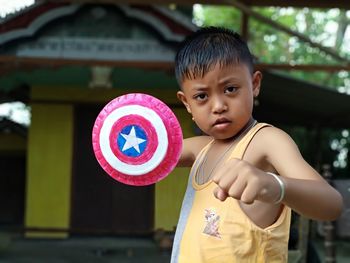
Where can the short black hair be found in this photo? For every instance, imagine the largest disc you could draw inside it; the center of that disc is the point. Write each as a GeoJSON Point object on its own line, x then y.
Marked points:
{"type": "Point", "coordinates": [202, 50]}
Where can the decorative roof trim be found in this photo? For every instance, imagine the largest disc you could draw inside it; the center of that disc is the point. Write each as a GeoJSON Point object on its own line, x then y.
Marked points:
{"type": "Point", "coordinates": [177, 17]}
{"type": "Point", "coordinates": [152, 21]}
{"type": "Point", "coordinates": [132, 12]}
{"type": "Point", "coordinates": [38, 23]}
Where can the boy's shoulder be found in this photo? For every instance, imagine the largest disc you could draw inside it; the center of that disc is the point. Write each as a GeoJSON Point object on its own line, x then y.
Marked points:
{"type": "Point", "coordinates": [269, 133]}
{"type": "Point", "coordinates": [270, 147]}
{"type": "Point", "coordinates": [271, 138]}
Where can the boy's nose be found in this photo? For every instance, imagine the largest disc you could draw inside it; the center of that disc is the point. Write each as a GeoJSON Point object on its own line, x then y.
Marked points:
{"type": "Point", "coordinates": [219, 105]}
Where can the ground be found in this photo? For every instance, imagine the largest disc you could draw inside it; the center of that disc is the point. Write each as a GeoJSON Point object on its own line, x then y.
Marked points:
{"type": "Point", "coordinates": [82, 250]}
{"type": "Point", "coordinates": [16, 249]}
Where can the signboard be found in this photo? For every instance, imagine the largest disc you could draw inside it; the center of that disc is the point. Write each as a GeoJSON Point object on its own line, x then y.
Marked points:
{"type": "Point", "coordinates": [96, 49]}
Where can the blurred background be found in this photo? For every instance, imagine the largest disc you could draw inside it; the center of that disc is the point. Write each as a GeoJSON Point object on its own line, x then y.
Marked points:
{"type": "Point", "coordinates": [62, 61]}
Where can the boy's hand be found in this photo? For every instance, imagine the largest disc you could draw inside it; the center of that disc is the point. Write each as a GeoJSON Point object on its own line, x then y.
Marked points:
{"type": "Point", "coordinates": [242, 181]}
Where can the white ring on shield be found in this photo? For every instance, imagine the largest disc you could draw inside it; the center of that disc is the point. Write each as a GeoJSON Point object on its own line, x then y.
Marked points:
{"type": "Point", "coordinates": [159, 127]}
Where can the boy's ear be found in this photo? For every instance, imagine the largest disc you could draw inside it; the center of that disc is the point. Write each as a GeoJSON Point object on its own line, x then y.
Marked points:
{"type": "Point", "coordinates": [181, 96]}
{"type": "Point", "coordinates": [257, 77]}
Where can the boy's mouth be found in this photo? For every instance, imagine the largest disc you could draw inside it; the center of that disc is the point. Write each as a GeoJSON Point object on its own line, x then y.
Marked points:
{"type": "Point", "coordinates": [221, 121]}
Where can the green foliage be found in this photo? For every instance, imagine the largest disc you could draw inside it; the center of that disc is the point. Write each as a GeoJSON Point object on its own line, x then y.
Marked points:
{"type": "Point", "coordinates": [270, 45]}
{"type": "Point", "coordinates": [217, 16]}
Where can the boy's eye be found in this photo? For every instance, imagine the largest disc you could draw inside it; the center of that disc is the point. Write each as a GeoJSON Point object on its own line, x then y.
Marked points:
{"type": "Point", "coordinates": [201, 96]}
{"type": "Point", "coordinates": [230, 89]}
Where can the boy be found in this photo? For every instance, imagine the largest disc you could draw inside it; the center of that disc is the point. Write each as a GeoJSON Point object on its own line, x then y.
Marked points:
{"type": "Point", "coordinates": [246, 176]}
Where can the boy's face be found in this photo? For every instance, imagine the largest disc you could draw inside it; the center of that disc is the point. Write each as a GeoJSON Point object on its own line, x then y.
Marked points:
{"type": "Point", "coordinates": [221, 102]}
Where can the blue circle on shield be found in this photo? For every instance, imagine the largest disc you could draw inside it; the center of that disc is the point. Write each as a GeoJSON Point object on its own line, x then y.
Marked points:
{"type": "Point", "coordinates": [132, 140]}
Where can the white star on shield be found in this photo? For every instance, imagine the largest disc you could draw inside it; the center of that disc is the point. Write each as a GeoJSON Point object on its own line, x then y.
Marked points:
{"type": "Point", "coordinates": [131, 140]}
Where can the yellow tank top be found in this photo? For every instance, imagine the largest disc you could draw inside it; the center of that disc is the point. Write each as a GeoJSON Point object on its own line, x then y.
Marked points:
{"type": "Point", "coordinates": [218, 231]}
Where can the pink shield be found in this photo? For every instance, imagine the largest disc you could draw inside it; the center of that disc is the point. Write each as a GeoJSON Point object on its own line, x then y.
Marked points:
{"type": "Point", "coordinates": [137, 139]}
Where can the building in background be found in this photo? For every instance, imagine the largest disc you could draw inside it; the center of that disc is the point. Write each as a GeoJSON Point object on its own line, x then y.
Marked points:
{"type": "Point", "coordinates": [66, 61]}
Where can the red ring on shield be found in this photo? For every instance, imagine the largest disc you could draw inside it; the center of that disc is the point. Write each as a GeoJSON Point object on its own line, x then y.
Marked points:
{"type": "Point", "coordinates": [162, 132]}
{"type": "Point", "coordinates": [133, 119]}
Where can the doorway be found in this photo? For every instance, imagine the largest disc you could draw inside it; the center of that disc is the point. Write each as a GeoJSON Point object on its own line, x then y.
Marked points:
{"type": "Point", "coordinates": [101, 205]}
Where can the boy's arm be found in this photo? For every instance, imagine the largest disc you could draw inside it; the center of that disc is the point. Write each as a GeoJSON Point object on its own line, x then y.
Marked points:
{"type": "Point", "coordinates": [190, 149]}
{"type": "Point", "coordinates": [306, 191]}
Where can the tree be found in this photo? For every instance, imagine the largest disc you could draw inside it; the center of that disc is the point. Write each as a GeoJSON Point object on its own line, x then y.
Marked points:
{"type": "Point", "coordinates": [327, 27]}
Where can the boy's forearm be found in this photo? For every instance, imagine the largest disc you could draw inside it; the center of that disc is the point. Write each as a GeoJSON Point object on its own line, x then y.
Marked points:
{"type": "Point", "coordinates": [314, 199]}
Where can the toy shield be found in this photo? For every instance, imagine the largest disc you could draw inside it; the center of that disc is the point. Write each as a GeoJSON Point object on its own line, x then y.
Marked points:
{"type": "Point", "coordinates": [137, 139]}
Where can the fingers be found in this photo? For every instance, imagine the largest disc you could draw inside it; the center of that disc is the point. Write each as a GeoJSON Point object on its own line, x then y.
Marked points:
{"type": "Point", "coordinates": [237, 188]}
{"type": "Point", "coordinates": [249, 194]}
{"type": "Point", "coordinates": [228, 172]}
{"type": "Point", "coordinates": [220, 194]}
{"type": "Point", "coordinates": [236, 180]}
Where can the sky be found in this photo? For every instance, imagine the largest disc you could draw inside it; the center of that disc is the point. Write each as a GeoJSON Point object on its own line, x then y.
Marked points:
{"type": "Point", "coordinates": [16, 111]}
{"type": "Point", "coordinates": [10, 6]}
